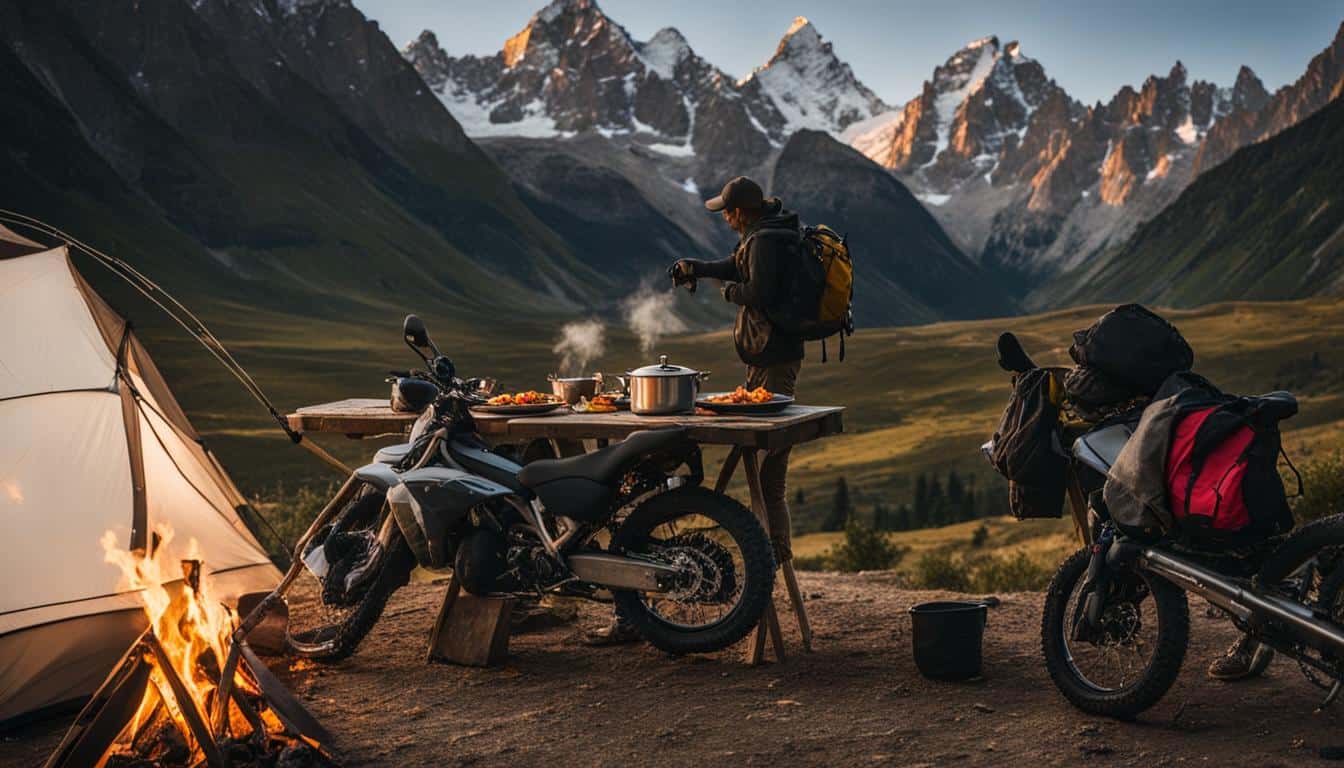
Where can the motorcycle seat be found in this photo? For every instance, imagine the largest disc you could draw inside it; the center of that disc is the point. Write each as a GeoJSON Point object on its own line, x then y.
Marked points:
{"type": "Point", "coordinates": [606, 466]}
{"type": "Point", "coordinates": [392, 455]}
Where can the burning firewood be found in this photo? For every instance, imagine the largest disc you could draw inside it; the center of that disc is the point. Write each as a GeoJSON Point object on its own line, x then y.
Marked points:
{"type": "Point", "coordinates": [184, 694]}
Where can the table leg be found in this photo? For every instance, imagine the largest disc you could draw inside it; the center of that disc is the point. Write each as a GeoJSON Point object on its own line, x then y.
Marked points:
{"type": "Point", "coordinates": [770, 617]}
{"type": "Point", "coordinates": [796, 597]}
{"type": "Point", "coordinates": [729, 467]}
{"type": "Point", "coordinates": [565, 447]}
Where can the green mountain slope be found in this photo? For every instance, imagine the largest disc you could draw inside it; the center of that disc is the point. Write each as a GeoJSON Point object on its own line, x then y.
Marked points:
{"type": "Point", "coordinates": [308, 206]}
{"type": "Point", "coordinates": [1266, 224]}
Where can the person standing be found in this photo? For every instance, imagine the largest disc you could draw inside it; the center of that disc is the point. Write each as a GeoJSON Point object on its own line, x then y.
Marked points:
{"type": "Point", "coordinates": [756, 277]}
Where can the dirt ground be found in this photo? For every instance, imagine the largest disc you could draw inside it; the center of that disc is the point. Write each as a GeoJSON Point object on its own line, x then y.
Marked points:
{"type": "Point", "coordinates": [856, 700]}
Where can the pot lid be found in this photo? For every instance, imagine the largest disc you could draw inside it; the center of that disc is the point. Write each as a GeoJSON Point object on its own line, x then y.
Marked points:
{"type": "Point", "coordinates": [664, 368]}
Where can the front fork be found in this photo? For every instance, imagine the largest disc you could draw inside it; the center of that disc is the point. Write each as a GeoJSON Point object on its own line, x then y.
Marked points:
{"type": "Point", "coordinates": [1096, 586]}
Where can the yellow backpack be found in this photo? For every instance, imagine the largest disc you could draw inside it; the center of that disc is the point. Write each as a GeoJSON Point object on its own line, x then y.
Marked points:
{"type": "Point", "coordinates": [824, 290]}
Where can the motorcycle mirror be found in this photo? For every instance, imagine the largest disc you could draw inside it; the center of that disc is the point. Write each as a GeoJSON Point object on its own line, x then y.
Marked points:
{"type": "Point", "coordinates": [417, 336]}
{"type": "Point", "coordinates": [413, 328]}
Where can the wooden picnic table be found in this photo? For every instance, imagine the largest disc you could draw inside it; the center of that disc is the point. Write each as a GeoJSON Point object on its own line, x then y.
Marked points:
{"type": "Point", "coordinates": [746, 437]}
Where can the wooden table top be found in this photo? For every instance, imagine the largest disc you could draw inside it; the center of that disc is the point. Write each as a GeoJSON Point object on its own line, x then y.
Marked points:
{"type": "Point", "coordinates": [355, 417]}
{"type": "Point", "coordinates": [360, 417]}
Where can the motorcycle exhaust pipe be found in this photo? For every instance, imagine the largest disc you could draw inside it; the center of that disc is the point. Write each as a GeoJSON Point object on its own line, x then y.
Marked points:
{"type": "Point", "coordinates": [622, 572]}
{"type": "Point", "coordinates": [1245, 603]}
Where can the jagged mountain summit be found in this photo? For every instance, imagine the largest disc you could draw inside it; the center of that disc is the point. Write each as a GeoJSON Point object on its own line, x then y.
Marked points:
{"type": "Point", "coordinates": [811, 87]}
{"type": "Point", "coordinates": [970, 117]}
{"type": "Point", "coordinates": [1024, 175]}
{"type": "Point", "coordinates": [573, 69]}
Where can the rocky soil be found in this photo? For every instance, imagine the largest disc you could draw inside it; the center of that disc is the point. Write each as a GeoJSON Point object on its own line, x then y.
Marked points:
{"type": "Point", "coordinates": [856, 700]}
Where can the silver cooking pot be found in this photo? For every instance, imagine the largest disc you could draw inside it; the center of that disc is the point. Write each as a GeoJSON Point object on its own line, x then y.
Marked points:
{"type": "Point", "coordinates": [574, 388]}
{"type": "Point", "coordinates": [664, 388]}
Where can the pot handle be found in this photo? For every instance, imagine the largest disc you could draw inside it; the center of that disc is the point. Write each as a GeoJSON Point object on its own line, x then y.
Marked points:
{"type": "Point", "coordinates": [702, 375]}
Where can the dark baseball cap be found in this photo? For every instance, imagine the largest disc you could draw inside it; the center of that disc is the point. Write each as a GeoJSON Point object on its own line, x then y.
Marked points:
{"type": "Point", "coordinates": [741, 192]}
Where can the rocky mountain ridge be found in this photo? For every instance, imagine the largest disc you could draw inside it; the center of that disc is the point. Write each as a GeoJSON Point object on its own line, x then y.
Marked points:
{"type": "Point", "coordinates": [1023, 176]}
{"type": "Point", "coordinates": [573, 69]}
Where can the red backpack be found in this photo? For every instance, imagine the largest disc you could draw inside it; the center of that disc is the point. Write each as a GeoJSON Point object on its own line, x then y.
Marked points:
{"type": "Point", "coordinates": [1222, 469]}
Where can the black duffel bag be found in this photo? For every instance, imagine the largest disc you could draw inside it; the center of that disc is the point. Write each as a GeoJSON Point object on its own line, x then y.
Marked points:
{"type": "Point", "coordinates": [1134, 346]}
{"type": "Point", "coordinates": [1028, 447]}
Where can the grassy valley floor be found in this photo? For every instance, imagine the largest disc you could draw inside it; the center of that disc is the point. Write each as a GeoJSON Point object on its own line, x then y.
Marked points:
{"type": "Point", "coordinates": [920, 399]}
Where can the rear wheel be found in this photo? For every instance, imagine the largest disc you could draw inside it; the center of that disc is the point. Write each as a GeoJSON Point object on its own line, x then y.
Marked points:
{"type": "Point", "coordinates": [727, 565]}
{"type": "Point", "coordinates": [1126, 664]}
{"type": "Point", "coordinates": [1309, 567]}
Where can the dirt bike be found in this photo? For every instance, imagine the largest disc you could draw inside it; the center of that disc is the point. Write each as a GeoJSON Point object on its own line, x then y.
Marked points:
{"type": "Point", "coordinates": [1116, 623]}
{"type": "Point", "coordinates": [691, 569]}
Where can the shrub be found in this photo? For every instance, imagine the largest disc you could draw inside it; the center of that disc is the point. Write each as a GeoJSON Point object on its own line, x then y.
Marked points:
{"type": "Point", "coordinates": [980, 536]}
{"type": "Point", "coordinates": [865, 549]}
{"type": "Point", "coordinates": [1015, 573]}
{"type": "Point", "coordinates": [1323, 486]}
{"type": "Point", "coordinates": [1012, 573]}
{"type": "Point", "coordinates": [939, 570]}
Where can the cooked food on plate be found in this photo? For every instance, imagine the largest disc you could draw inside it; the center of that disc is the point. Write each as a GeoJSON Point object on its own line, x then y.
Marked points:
{"type": "Point", "coordinates": [531, 397]}
{"type": "Point", "coordinates": [599, 404]}
{"type": "Point", "coordinates": [744, 396]}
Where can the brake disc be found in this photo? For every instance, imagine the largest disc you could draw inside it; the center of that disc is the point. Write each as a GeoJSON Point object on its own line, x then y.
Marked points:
{"type": "Point", "coordinates": [712, 575]}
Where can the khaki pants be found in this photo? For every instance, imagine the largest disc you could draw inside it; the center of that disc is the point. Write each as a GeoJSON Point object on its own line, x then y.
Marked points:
{"type": "Point", "coordinates": [781, 379]}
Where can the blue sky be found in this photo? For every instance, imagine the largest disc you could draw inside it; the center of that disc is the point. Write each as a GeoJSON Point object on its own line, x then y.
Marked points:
{"type": "Point", "coordinates": [1090, 47]}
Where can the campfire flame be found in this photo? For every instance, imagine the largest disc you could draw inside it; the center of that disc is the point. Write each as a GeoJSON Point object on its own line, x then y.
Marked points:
{"type": "Point", "coordinates": [191, 626]}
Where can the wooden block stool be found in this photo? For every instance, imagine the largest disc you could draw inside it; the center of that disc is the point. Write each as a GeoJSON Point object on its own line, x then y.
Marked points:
{"type": "Point", "coordinates": [471, 630]}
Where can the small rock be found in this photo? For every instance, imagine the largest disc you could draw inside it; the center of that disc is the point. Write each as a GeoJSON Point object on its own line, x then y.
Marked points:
{"type": "Point", "coordinates": [788, 703]}
{"type": "Point", "coordinates": [1095, 749]}
{"type": "Point", "coordinates": [982, 708]}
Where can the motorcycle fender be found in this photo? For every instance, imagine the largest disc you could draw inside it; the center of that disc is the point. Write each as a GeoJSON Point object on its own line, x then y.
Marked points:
{"type": "Point", "coordinates": [430, 502]}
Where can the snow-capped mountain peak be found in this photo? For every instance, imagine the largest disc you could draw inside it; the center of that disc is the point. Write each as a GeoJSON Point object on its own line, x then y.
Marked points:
{"type": "Point", "coordinates": [663, 52]}
{"type": "Point", "coordinates": [810, 86]}
{"type": "Point", "coordinates": [571, 69]}
{"type": "Point", "coordinates": [801, 35]}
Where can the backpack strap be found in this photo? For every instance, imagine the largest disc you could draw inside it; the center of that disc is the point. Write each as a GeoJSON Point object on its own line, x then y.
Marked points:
{"type": "Point", "coordinates": [1301, 489]}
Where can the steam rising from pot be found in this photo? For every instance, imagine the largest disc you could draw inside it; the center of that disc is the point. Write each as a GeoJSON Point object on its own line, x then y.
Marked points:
{"type": "Point", "coordinates": [580, 343]}
{"type": "Point", "coordinates": [650, 315]}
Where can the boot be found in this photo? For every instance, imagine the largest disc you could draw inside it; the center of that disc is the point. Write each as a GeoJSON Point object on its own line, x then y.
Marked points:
{"type": "Point", "coordinates": [1245, 659]}
{"type": "Point", "coordinates": [615, 633]}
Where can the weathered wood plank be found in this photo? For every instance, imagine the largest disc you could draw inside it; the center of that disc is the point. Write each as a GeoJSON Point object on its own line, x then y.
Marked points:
{"type": "Point", "coordinates": [355, 417]}
{"type": "Point", "coordinates": [365, 417]}
{"type": "Point", "coordinates": [470, 630]}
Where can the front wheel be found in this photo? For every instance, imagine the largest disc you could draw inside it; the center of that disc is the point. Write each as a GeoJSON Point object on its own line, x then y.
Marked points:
{"type": "Point", "coordinates": [327, 621]}
{"type": "Point", "coordinates": [1127, 663]}
{"type": "Point", "coordinates": [727, 565]}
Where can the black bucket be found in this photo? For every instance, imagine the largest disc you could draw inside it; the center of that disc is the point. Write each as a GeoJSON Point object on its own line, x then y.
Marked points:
{"type": "Point", "coordinates": [947, 637]}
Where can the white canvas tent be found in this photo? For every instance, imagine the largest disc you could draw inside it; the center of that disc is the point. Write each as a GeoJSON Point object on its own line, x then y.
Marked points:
{"type": "Point", "coordinates": [91, 440]}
